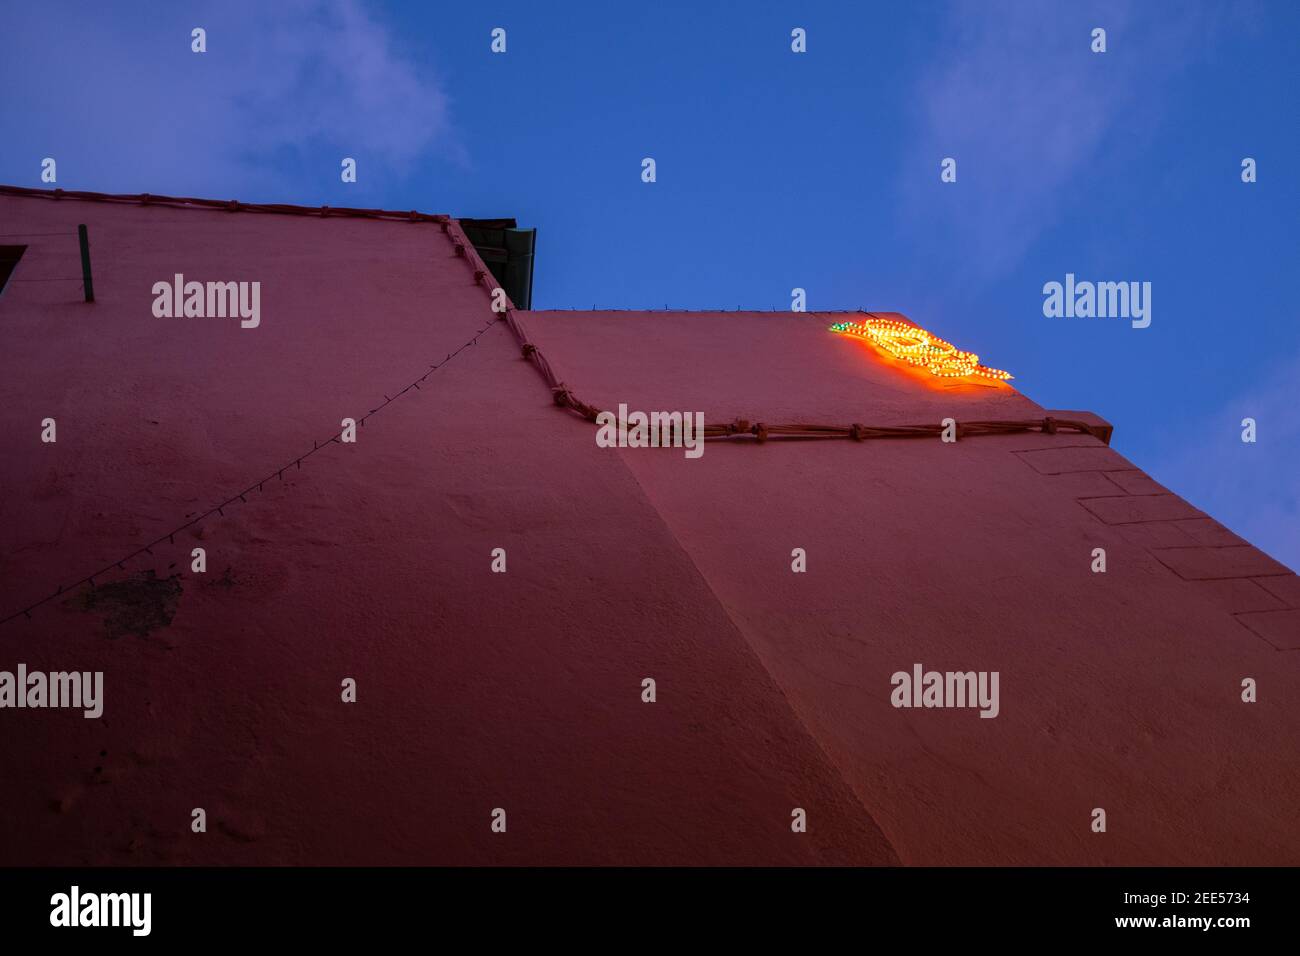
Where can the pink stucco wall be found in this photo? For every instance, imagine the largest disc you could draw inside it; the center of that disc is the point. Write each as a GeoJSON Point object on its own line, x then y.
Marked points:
{"type": "Point", "coordinates": [522, 690]}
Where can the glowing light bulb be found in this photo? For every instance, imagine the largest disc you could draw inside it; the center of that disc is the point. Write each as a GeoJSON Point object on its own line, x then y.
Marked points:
{"type": "Point", "coordinates": [916, 346]}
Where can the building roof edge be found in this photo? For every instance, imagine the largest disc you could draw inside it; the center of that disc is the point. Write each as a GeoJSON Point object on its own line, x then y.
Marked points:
{"type": "Point", "coordinates": [226, 205]}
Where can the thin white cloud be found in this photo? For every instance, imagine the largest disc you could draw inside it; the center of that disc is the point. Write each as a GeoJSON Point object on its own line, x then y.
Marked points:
{"type": "Point", "coordinates": [1018, 98]}
{"type": "Point", "coordinates": [326, 70]}
{"type": "Point", "coordinates": [124, 105]}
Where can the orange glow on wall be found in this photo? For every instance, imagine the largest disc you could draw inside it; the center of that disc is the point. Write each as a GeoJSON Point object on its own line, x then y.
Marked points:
{"type": "Point", "coordinates": [916, 346]}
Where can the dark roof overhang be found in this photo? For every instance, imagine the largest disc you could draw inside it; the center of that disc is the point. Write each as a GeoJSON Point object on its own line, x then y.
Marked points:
{"type": "Point", "coordinates": [507, 251]}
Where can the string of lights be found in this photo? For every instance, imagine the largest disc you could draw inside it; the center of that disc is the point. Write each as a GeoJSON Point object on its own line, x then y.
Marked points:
{"type": "Point", "coordinates": [461, 249]}
{"type": "Point", "coordinates": [916, 346]}
{"type": "Point", "coordinates": [241, 497]}
{"type": "Point", "coordinates": [564, 398]}
{"type": "Point", "coordinates": [742, 428]}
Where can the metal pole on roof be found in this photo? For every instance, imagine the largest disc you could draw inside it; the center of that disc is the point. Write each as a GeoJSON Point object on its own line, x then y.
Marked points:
{"type": "Point", "coordinates": [86, 281]}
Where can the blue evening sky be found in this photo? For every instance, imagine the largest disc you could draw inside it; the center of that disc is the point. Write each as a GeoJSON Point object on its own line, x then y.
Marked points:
{"type": "Point", "coordinates": [775, 170]}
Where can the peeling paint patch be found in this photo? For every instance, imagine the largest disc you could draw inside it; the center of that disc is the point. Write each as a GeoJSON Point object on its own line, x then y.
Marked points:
{"type": "Point", "coordinates": [139, 605]}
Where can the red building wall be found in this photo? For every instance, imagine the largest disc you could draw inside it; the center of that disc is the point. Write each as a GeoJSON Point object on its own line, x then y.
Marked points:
{"type": "Point", "coordinates": [523, 690]}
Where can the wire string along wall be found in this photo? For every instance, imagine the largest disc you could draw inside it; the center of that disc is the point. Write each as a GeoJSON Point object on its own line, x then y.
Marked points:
{"type": "Point", "coordinates": [241, 496]}
{"type": "Point", "coordinates": [935, 353]}
{"type": "Point", "coordinates": [762, 431]}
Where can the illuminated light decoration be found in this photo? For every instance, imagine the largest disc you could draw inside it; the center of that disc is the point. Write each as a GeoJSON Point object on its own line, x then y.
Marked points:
{"type": "Point", "coordinates": [916, 346]}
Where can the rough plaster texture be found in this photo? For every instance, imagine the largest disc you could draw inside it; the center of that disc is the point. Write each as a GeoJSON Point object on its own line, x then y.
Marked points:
{"type": "Point", "coordinates": [522, 691]}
